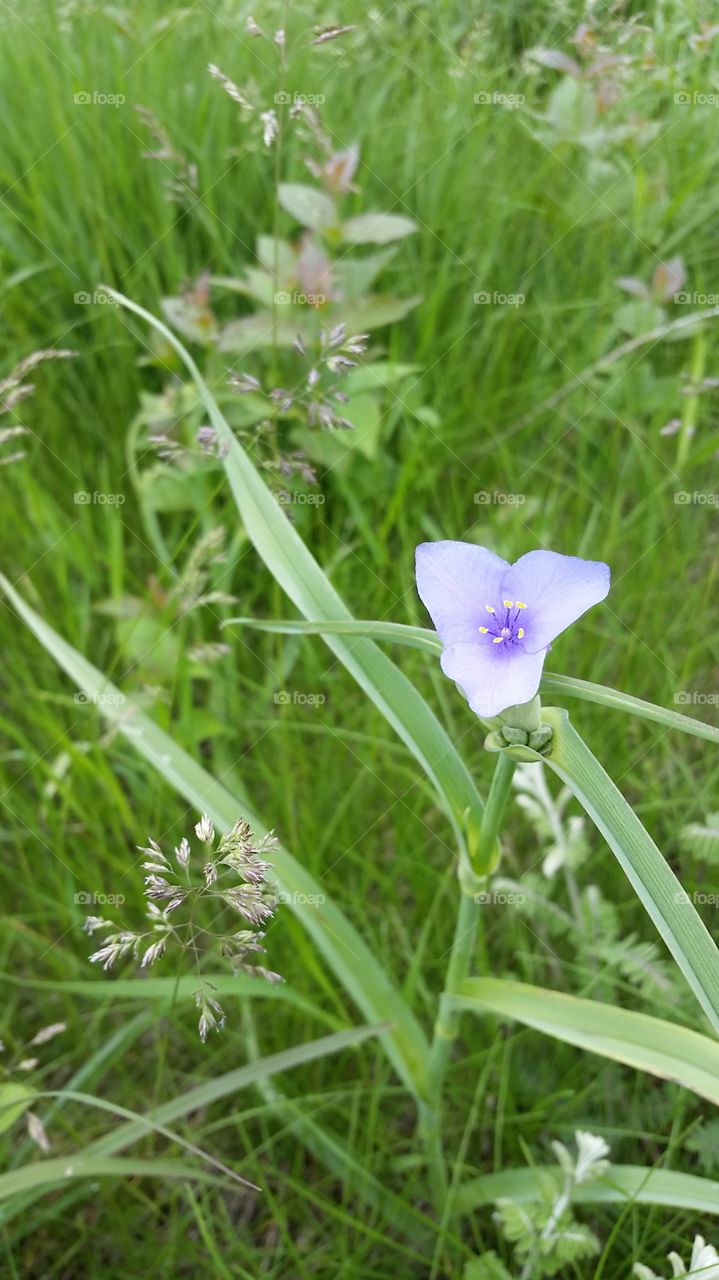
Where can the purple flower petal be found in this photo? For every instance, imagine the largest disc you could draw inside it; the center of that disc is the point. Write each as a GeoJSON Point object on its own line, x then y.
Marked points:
{"type": "Point", "coordinates": [493, 679]}
{"type": "Point", "coordinates": [556, 590]}
{"type": "Point", "coordinates": [455, 581]}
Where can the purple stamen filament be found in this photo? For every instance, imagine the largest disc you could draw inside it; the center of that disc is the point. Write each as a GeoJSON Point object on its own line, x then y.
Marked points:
{"type": "Point", "coordinates": [504, 630]}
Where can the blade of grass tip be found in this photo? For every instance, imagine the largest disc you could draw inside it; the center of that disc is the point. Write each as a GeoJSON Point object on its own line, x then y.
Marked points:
{"type": "Point", "coordinates": [196, 1099]}
{"type": "Point", "coordinates": [604, 696]}
{"type": "Point", "coordinates": [308, 587]}
{"type": "Point", "coordinates": [335, 936]}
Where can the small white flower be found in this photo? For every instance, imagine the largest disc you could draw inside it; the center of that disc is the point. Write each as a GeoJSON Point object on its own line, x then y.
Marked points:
{"type": "Point", "coordinates": [182, 852]}
{"type": "Point", "coordinates": [204, 830]}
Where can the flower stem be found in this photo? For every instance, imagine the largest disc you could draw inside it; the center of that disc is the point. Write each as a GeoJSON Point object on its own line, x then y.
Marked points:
{"type": "Point", "coordinates": [447, 1020]}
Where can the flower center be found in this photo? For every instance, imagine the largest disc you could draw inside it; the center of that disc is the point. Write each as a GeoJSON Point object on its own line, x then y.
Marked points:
{"type": "Point", "coordinates": [503, 623]}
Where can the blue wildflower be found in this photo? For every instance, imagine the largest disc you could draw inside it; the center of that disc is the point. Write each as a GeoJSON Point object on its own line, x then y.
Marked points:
{"type": "Point", "coordinates": [496, 620]}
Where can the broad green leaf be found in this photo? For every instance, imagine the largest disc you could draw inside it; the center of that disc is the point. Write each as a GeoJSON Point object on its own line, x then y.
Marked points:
{"type": "Point", "coordinates": [377, 228]}
{"type": "Point", "coordinates": [255, 332]}
{"type": "Point", "coordinates": [661, 1048]}
{"type": "Point", "coordinates": [621, 1184]}
{"type": "Point", "coordinates": [310, 207]}
{"type": "Point", "coordinates": [655, 884]}
{"type": "Point", "coordinates": [336, 938]}
{"type": "Point", "coordinates": [356, 275]}
{"type": "Point", "coordinates": [14, 1101]}
{"type": "Point", "coordinates": [300, 576]}
{"type": "Point", "coordinates": [373, 311]}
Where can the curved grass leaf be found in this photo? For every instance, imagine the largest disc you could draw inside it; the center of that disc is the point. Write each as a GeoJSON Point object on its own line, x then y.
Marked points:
{"type": "Point", "coordinates": [309, 589]}
{"type": "Point", "coordinates": [655, 884]}
{"type": "Point", "coordinates": [661, 1048]}
{"type": "Point", "coordinates": [335, 937]}
{"type": "Point", "coordinates": [42, 1174]}
{"type": "Point", "coordinates": [621, 1183]}
{"type": "Point", "coordinates": [172, 990]}
{"type": "Point", "coordinates": [552, 683]}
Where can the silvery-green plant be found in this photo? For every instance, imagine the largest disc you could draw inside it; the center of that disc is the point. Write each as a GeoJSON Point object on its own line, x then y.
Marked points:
{"type": "Point", "coordinates": [190, 902]}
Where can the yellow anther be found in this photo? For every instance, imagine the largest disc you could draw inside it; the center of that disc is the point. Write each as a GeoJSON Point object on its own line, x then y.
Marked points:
{"type": "Point", "coordinates": [489, 608]}
{"type": "Point", "coordinates": [508, 603]}
{"type": "Point", "coordinates": [484, 630]}
{"type": "Point", "coordinates": [520, 605]}
{"type": "Point", "coordinates": [520, 633]}
{"type": "Point", "coordinates": [497, 639]}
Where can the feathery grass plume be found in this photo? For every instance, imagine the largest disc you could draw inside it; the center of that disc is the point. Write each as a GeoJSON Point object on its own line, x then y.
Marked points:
{"type": "Point", "coordinates": [189, 906]}
{"type": "Point", "coordinates": [14, 389]}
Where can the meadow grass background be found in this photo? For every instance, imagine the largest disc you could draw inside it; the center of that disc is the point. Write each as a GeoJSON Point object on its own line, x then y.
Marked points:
{"type": "Point", "coordinates": [498, 210]}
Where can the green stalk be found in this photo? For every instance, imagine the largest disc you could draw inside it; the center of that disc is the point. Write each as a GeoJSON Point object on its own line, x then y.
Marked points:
{"type": "Point", "coordinates": [465, 936]}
